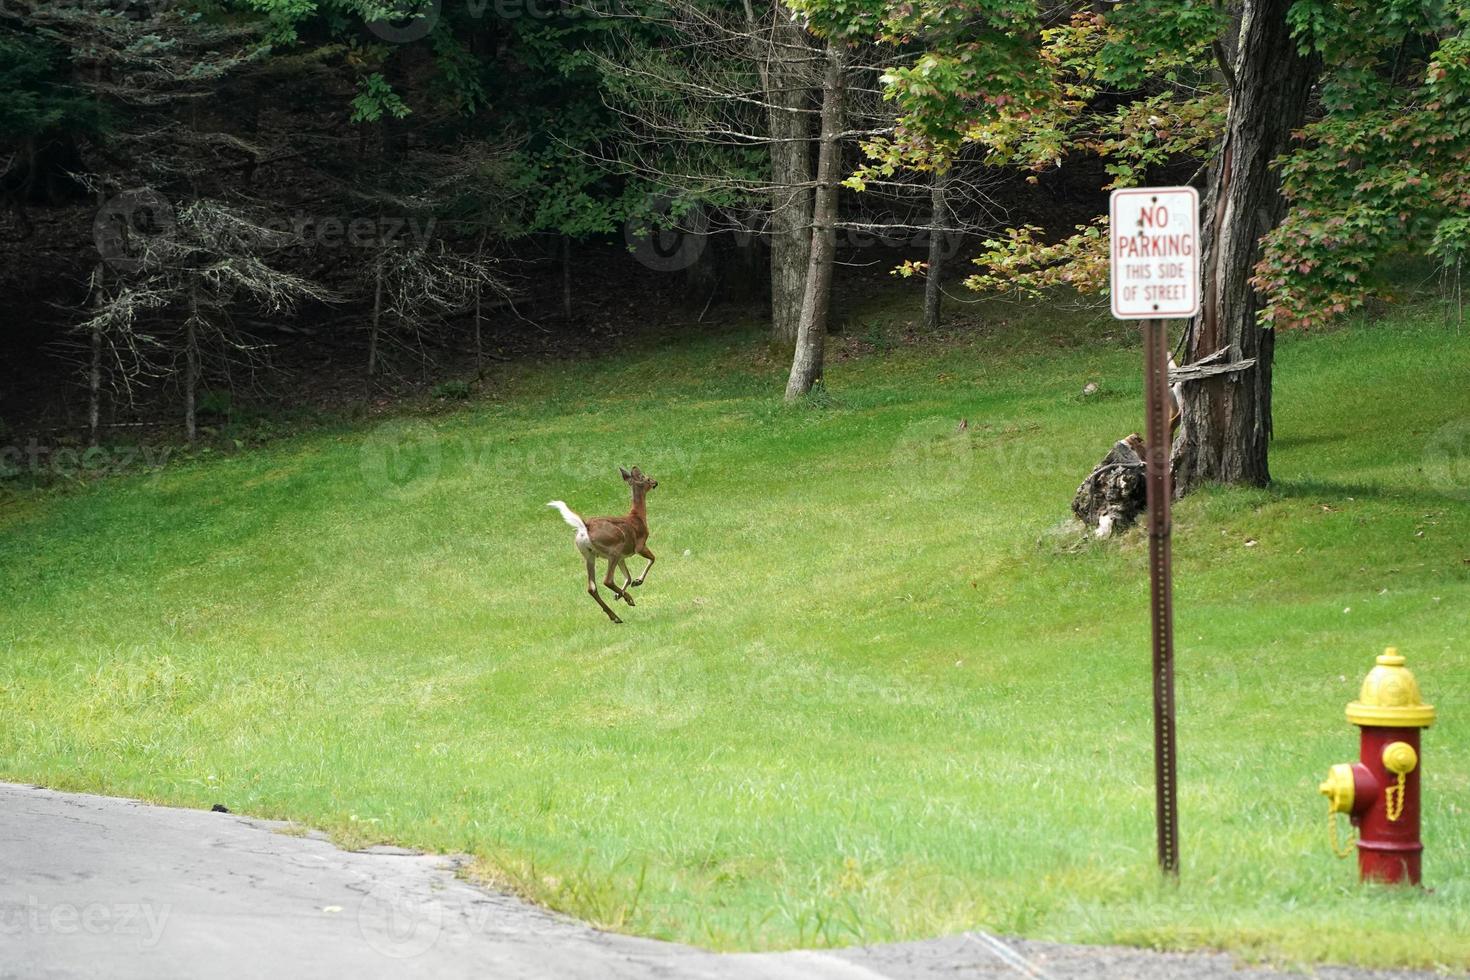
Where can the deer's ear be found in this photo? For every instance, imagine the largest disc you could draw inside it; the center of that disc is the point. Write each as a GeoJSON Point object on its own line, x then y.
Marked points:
{"type": "Point", "coordinates": [626, 475]}
{"type": "Point", "coordinates": [637, 473]}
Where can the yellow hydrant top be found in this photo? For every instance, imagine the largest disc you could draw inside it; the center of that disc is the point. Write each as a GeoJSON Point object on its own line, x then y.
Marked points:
{"type": "Point", "coordinates": [1390, 697]}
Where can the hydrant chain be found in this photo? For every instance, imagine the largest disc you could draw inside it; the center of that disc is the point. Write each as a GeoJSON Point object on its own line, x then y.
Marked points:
{"type": "Point", "coordinates": [1400, 759]}
{"type": "Point", "coordinates": [1393, 799]}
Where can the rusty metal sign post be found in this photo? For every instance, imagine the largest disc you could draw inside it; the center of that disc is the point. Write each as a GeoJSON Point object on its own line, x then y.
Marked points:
{"type": "Point", "coordinates": [1161, 591]}
{"type": "Point", "coordinates": [1155, 275]}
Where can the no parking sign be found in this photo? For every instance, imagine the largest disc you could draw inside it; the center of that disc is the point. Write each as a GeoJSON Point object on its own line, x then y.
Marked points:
{"type": "Point", "coordinates": [1155, 264]}
{"type": "Point", "coordinates": [1155, 252]}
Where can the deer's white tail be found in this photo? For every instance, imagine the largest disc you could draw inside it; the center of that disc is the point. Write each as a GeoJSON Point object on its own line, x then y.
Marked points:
{"type": "Point", "coordinates": [568, 515]}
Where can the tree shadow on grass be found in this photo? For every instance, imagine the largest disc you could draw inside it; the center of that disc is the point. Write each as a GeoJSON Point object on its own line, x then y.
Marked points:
{"type": "Point", "coordinates": [1319, 491]}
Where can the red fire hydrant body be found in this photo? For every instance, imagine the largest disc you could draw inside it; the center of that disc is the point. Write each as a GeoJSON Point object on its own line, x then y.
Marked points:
{"type": "Point", "coordinates": [1380, 792]}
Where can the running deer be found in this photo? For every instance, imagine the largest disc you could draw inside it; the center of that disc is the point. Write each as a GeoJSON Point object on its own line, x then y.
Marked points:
{"type": "Point", "coordinates": [614, 539]}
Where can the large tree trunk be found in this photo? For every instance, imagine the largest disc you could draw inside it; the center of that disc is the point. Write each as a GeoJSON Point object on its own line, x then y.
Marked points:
{"type": "Point", "coordinates": [789, 93]}
{"type": "Point", "coordinates": [1227, 419]}
{"type": "Point", "coordinates": [938, 229]}
{"type": "Point", "coordinates": [811, 332]}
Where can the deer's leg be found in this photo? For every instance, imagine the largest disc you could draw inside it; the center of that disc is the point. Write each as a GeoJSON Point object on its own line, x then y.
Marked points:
{"type": "Point", "coordinates": [627, 575]}
{"type": "Point", "coordinates": [592, 588]}
{"type": "Point", "coordinates": [643, 550]}
{"type": "Point", "coordinates": [612, 566]}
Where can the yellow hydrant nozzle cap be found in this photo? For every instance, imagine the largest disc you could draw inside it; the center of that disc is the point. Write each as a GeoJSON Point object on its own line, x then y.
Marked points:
{"type": "Point", "coordinates": [1390, 697]}
{"type": "Point", "coordinates": [1339, 788]}
{"type": "Point", "coordinates": [1400, 758]}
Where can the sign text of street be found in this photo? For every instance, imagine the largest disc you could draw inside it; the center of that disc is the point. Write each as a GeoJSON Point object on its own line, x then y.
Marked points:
{"type": "Point", "coordinates": [1155, 252]}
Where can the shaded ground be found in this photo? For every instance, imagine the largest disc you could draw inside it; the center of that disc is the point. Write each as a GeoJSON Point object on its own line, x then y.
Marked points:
{"type": "Point", "coordinates": [95, 886]}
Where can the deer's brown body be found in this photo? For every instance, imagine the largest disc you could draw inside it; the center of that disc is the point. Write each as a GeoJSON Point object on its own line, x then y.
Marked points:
{"type": "Point", "coordinates": [614, 540]}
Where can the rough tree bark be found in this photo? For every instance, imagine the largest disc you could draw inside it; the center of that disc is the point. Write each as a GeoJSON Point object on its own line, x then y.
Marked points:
{"type": "Point", "coordinates": [1115, 493]}
{"type": "Point", "coordinates": [939, 225]}
{"type": "Point", "coordinates": [785, 72]}
{"type": "Point", "coordinates": [811, 332]}
{"type": "Point", "coordinates": [1227, 419]}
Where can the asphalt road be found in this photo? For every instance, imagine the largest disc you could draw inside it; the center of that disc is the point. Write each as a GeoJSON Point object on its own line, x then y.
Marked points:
{"type": "Point", "coordinates": [92, 886]}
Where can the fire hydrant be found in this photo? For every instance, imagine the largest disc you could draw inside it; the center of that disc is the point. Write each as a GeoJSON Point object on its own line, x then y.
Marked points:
{"type": "Point", "coordinates": [1380, 792]}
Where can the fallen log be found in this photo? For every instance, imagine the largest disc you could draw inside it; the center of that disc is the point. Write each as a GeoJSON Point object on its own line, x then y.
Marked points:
{"type": "Point", "coordinates": [1114, 493]}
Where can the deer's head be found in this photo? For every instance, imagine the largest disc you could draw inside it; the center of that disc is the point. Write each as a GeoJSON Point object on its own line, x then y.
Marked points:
{"type": "Point", "coordinates": [637, 480]}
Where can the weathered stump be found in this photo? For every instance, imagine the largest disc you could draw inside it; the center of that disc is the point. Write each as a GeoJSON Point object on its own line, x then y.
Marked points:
{"type": "Point", "coordinates": [1114, 493]}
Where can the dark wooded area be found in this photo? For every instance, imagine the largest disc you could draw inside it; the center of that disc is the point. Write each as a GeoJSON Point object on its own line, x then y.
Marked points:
{"type": "Point", "coordinates": [217, 203]}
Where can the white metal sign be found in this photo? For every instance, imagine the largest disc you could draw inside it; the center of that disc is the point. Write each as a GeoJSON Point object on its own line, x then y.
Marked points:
{"type": "Point", "coordinates": [1155, 252]}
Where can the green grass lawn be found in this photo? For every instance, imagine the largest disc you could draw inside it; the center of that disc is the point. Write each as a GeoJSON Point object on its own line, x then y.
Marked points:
{"type": "Point", "coordinates": [874, 688]}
